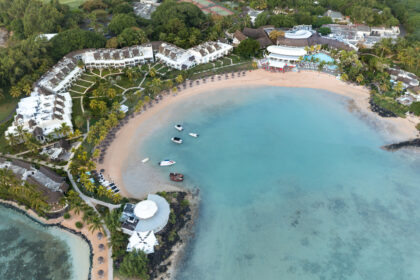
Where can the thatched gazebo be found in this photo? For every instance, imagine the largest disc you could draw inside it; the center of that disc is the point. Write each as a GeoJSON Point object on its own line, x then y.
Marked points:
{"type": "Point", "coordinates": [101, 273]}
{"type": "Point", "coordinates": [101, 247]}
{"type": "Point", "coordinates": [101, 259]}
{"type": "Point", "coordinates": [100, 235]}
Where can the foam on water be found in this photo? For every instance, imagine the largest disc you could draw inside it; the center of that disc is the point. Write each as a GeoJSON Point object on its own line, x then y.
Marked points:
{"type": "Point", "coordinates": [293, 186]}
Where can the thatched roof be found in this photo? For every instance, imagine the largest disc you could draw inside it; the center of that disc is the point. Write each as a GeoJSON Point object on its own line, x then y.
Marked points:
{"type": "Point", "coordinates": [51, 174]}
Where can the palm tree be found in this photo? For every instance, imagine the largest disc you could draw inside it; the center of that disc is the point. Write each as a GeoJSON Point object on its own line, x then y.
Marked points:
{"type": "Point", "coordinates": [139, 106]}
{"type": "Point", "coordinates": [344, 77]}
{"type": "Point", "coordinates": [27, 89]}
{"type": "Point", "coordinates": [155, 86]}
{"type": "Point", "coordinates": [112, 93]}
{"type": "Point", "coordinates": [179, 79]}
{"type": "Point", "coordinates": [398, 87]}
{"type": "Point", "coordinates": [95, 224]}
{"type": "Point", "coordinates": [360, 78]}
{"type": "Point", "coordinates": [15, 91]}
{"type": "Point", "coordinates": [64, 129]}
{"type": "Point", "coordinates": [152, 72]}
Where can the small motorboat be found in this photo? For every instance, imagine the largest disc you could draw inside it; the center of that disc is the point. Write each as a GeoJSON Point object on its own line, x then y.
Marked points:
{"type": "Point", "coordinates": [195, 135]}
{"type": "Point", "coordinates": [176, 177]}
{"type": "Point", "coordinates": [176, 140]}
{"type": "Point", "coordinates": [145, 160]}
{"type": "Point", "coordinates": [179, 127]}
{"type": "Point", "coordinates": [167, 162]}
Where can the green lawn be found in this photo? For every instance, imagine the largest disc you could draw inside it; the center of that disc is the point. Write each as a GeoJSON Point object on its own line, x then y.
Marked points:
{"type": "Point", "coordinates": [88, 78]}
{"type": "Point", "coordinates": [77, 88]}
{"type": "Point", "coordinates": [83, 83]}
{"type": "Point", "coordinates": [74, 4]}
{"type": "Point", "coordinates": [7, 105]}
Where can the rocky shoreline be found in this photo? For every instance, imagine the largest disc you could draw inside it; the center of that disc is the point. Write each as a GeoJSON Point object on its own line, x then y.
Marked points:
{"type": "Point", "coordinates": [381, 111]}
{"type": "Point", "coordinates": [415, 143]}
{"type": "Point", "coordinates": [166, 259]}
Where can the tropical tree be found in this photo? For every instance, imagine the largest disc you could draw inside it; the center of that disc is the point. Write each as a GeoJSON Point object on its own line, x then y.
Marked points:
{"type": "Point", "coordinates": [398, 87]}
{"type": "Point", "coordinates": [112, 93]}
{"type": "Point", "coordinates": [15, 91]}
{"type": "Point", "coordinates": [179, 79]}
{"type": "Point", "coordinates": [135, 264]}
{"type": "Point", "coordinates": [95, 223]}
{"type": "Point", "coordinates": [360, 78]}
{"type": "Point", "coordinates": [152, 72]}
{"type": "Point", "coordinates": [344, 77]}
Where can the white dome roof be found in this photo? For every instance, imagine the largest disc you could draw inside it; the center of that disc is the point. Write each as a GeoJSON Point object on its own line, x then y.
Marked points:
{"type": "Point", "coordinates": [145, 209]}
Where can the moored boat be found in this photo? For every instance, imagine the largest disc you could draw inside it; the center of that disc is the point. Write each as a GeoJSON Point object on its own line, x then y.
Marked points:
{"type": "Point", "coordinates": [179, 127]}
{"type": "Point", "coordinates": [176, 140]}
{"type": "Point", "coordinates": [192, 134]}
{"type": "Point", "coordinates": [176, 177]}
{"type": "Point", "coordinates": [166, 162]}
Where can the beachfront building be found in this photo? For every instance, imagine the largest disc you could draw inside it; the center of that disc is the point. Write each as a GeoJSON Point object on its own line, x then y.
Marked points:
{"type": "Point", "coordinates": [281, 57]}
{"type": "Point", "coordinates": [49, 183]}
{"type": "Point", "coordinates": [298, 34]}
{"type": "Point", "coordinates": [408, 80]}
{"type": "Point", "coordinates": [42, 115]}
{"type": "Point", "coordinates": [181, 59]}
{"type": "Point", "coordinates": [143, 220]}
{"type": "Point", "coordinates": [210, 51]}
{"type": "Point", "coordinates": [118, 58]}
{"type": "Point", "coordinates": [175, 57]}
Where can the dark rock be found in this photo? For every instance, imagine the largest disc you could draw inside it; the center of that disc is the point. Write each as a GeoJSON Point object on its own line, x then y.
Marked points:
{"type": "Point", "coordinates": [381, 111]}
{"type": "Point", "coordinates": [404, 144]}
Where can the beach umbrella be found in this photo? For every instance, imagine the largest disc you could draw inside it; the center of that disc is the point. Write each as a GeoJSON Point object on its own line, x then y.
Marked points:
{"type": "Point", "coordinates": [101, 247]}
{"type": "Point", "coordinates": [100, 235]}
{"type": "Point", "coordinates": [101, 273]}
{"type": "Point", "coordinates": [102, 170]}
{"type": "Point", "coordinates": [101, 259]}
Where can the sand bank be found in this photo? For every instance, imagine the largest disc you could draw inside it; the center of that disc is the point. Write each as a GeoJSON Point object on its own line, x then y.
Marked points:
{"type": "Point", "coordinates": [397, 129]}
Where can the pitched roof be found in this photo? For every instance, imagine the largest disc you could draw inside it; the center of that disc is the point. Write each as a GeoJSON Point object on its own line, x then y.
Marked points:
{"type": "Point", "coordinates": [239, 35]}
{"type": "Point", "coordinates": [51, 174]}
{"type": "Point", "coordinates": [254, 33]}
{"type": "Point", "coordinates": [22, 164]}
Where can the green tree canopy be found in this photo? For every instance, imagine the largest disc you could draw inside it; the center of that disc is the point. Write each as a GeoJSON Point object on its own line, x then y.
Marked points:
{"type": "Point", "coordinates": [131, 36]}
{"type": "Point", "coordinates": [135, 264]}
{"type": "Point", "coordinates": [248, 47]}
{"type": "Point", "coordinates": [120, 22]}
{"type": "Point", "coordinates": [75, 39]}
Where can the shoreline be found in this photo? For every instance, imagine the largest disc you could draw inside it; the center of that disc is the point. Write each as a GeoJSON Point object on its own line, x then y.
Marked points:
{"type": "Point", "coordinates": [399, 129]}
{"type": "Point", "coordinates": [70, 227]}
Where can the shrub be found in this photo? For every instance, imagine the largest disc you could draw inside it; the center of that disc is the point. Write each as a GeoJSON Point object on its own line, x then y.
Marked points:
{"type": "Point", "coordinates": [415, 108]}
{"type": "Point", "coordinates": [79, 225]}
{"type": "Point", "coordinates": [66, 216]}
{"type": "Point", "coordinates": [418, 126]}
{"type": "Point", "coordinates": [185, 203]}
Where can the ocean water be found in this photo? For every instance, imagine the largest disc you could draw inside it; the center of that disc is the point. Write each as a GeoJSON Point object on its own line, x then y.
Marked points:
{"type": "Point", "coordinates": [31, 251]}
{"type": "Point", "coordinates": [292, 186]}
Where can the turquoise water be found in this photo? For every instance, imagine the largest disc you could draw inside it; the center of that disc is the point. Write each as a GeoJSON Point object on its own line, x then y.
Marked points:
{"type": "Point", "coordinates": [31, 251]}
{"type": "Point", "coordinates": [321, 56]}
{"type": "Point", "coordinates": [293, 186]}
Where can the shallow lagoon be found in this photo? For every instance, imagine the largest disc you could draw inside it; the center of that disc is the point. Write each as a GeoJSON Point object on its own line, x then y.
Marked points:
{"type": "Point", "coordinates": [31, 251]}
{"type": "Point", "coordinates": [293, 186]}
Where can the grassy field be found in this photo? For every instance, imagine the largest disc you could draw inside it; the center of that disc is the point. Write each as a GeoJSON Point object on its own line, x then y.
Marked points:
{"type": "Point", "coordinates": [7, 105]}
{"type": "Point", "coordinates": [74, 4]}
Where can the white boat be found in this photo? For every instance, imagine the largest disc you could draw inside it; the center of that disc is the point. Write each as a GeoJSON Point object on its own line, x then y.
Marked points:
{"type": "Point", "coordinates": [179, 127]}
{"type": "Point", "coordinates": [176, 140]}
{"type": "Point", "coordinates": [145, 160]}
{"type": "Point", "coordinates": [167, 162]}
{"type": "Point", "coordinates": [195, 135]}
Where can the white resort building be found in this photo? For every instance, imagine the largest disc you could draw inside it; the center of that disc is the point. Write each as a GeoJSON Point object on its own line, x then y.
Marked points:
{"type": "Point", "coordinates": [118, 58]}
{"type": "Point", "coordinates": [181, 59]}
{"type": "Point", "coordinates": [49, 105]}
{"type": "Point", "coordinates": [143, 220]}
{"type": "Point", "coordinates": [281, 57]}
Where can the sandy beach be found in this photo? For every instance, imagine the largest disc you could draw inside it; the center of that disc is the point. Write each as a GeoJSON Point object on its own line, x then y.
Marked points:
{"type": "Point", "coordinates": [397, 129]}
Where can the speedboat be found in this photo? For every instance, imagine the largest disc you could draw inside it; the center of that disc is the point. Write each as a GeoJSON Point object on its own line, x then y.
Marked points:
{"type": "Point", "coordinates": [176, 140]}
{"type": "Point", "coordinates": [179, 127]}
{"type": "Point", "coordinates": [195, 135]}
{"type": "Point", "coordinates": [176, 177]}
{"type": "Point", "coordinates": [167, 162]}
{"type": "Point", "coordinates": [145, 160]}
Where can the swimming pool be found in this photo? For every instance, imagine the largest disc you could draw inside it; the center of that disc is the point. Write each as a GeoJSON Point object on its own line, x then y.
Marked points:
{"type": "Point", "coordinates": [321, 56]}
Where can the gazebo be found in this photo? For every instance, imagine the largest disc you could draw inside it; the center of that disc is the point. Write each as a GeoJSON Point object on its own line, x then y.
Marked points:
{"type": "Point", "coordinates": [101, 247]}
{"type": "Point", "coordinates": [101, 259]}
